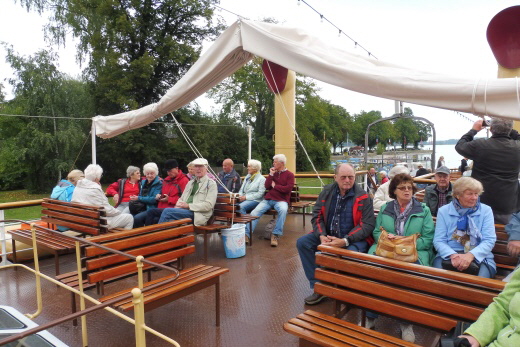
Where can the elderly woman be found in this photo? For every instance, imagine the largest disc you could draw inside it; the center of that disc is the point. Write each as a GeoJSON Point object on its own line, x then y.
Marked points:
{"type": "Point", "coordinates": [64, 189]}
{"type": "Point", "coordinates": [497, 325]}
{"type": "Point", "coordinates": [124, 188]}
{"type": "Point", "coordinates": [465, 231]}
{"type": "Point", "coordinates": [405, 216]}
{"type": "Point", "coordinates": [88, 191]}
{"type": "Point", "coordinates": [384, 177]}
{"type": "Point", "coordinates": [252, 190]}
{"type": "Point", "coordinates": [381, 196]}
{"type": "Point", "coordinates": [149, 189]}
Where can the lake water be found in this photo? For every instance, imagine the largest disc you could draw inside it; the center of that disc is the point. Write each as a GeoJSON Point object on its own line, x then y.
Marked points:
{"type": "Point", "coordinates": [451, 157]}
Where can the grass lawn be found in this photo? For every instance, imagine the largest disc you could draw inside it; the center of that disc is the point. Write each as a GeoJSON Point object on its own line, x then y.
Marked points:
{"type": "Point", "coordinates": [25, 213]}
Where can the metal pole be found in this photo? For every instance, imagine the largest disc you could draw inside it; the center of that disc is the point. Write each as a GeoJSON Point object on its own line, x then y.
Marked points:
{"type": "Point", "coordinates": [249, 141]}
{"type": "Point", "coordinates": [93, 142]}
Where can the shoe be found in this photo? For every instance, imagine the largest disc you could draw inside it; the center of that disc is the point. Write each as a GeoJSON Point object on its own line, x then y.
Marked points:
{"type": "Point", "coordinates": [247, 240]}
{"type": "Point", "coordinates": [370, 323]}
{"type": "Point", "coordinates": [314, 299]}
{"type": "Point", "coordinates": [274, 240]}
{"type": "Point", "coordinates": [407, 333]}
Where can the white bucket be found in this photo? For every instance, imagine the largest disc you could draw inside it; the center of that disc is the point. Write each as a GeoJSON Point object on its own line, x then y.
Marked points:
{"type": "Point", "coordinates": [234, 239]}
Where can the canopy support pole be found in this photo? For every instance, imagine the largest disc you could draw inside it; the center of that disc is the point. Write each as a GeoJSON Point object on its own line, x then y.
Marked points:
{"type": "Point", "coordinates": [93, 132]}
{"type": "Point", "coordinates": [249, 140]}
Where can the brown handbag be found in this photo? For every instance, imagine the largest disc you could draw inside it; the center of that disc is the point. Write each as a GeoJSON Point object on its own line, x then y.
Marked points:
{"type": "Point", "coordinates": [403, 248]}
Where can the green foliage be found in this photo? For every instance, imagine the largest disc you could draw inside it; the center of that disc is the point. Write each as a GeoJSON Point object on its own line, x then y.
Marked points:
{"type": "Point", "coordinates": [42, 150]}
{"type": "Point", "coordinates": [135, 50]}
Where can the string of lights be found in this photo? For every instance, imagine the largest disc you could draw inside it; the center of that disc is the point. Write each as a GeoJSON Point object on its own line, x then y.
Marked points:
{"type": "Point", "coordinates": [463, 116]}
{"type": "Point", "coordinates": [340, 31]}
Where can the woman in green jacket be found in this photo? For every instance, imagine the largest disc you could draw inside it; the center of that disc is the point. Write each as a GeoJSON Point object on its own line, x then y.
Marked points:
{"type": "Point", "coordinates": [405, 216]}
{"type": "Point", "coordinates": [499, 324]}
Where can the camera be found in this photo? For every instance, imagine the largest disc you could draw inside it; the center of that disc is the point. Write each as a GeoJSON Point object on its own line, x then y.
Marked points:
{"type": "Point", "coordinates": [486, 123]}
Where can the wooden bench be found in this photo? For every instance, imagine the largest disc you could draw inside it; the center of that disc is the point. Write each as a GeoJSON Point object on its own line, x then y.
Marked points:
{"type": "Point", "coordinates": [85, 219]}
{"type": "Point", "coordinates": [505, 262]}
{"type": "Point", "coordinates": [225, 213]}
{"type": "Point", "coordinates": [433, 298]}
{"type": "Point", "coordinates": [296, 204]}
{"type": "Point", "coordinates": [161, 243]}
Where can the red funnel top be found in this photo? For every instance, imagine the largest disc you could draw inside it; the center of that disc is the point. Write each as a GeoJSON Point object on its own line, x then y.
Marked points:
{"type": "Point", "coordinates": [503, 35]}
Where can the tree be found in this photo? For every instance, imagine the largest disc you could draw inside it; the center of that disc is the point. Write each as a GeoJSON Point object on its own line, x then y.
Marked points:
{"type": "Point", "coordinates": [43, 148]}
{"type": "Point", "coordinates": [135, 50]}
{"type": "Point", "coordinates": [379, 133]}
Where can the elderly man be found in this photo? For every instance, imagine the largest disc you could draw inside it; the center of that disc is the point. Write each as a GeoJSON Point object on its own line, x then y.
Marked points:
{"type": "Point", "coordinates": [279, 185]}
{"type": "Point", "coordinates": [230, 181]}
{"type": "Point", "coordinates": [198, 200]}
{"type": "Point", "coordinates": [440, 194]}
{"type": "Point", "coordinates": [342, 217]}
{"type": "Point", "coordinates": [88, 191]}
{"type": "Point", "coordinates": [496, 163]}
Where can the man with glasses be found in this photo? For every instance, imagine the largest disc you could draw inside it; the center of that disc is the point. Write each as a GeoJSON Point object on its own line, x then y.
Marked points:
{"type": "Point", "coordinates": [438, 195]}
{"type": "Point", "coordinates": [342, 217]}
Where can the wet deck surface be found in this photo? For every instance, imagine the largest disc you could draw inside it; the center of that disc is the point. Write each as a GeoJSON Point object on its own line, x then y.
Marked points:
{"type": "Point", "coordinates": [262, 290]}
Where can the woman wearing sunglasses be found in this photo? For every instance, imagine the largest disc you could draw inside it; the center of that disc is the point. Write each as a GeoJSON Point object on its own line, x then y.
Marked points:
{"type": "Point", "coordinates": [465, 232]}
{"type": "Point", "coordinates": [405, 216]}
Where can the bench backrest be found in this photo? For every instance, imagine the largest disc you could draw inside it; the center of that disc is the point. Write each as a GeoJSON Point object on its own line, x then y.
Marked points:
{"type": "Point", "coordinates": [431, 297]}
{"type": "Point", "coordinates": [160, 243]}
{"type": "Point", "coordinates": [82, 218]}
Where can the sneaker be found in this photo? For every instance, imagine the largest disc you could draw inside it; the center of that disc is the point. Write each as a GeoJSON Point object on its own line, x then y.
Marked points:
{"type": "Point", "coordinates": [314, 299]}
{"type": "Point", "coordinates": [274, 240]}
{"type": "Point", "coordinates": [370, 323]}
{"type": "Point", "coordinates": [247, 240]}
{"type": "Point", "coordinates": [407, 333]}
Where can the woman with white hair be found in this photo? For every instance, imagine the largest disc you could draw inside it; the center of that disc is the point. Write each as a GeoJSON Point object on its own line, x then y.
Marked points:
{"type": "Point", "coordinates": [88, 191]}
{"type": "Point", "coordinates": [465, 232]}
{"type": "Point", "coordinates": [149, 189]}
{"type": "Point", "coordinates": [124, 188]}
{"type": "Point", "coordinates": [384, 177]}
{"type": "Point", "coordinates": [382, 196]}
{"type": "Point", "coordinates": [252, 190]}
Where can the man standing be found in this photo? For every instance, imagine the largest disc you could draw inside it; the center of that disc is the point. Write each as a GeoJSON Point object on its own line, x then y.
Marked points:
{"type": "Point", "coordinates": [229, 177]}
{"type": "Point", "coordinates": [342, 217]}
{"type": "Point", "coordinates": [438, 195]}
{"type": "Point", "coordinates": [172, 188]}
{"type": "Point", "coordinates": [371, 187]}
{"type": "Point", "coordinates": [197, 201]}
{"type": "Point", "coordinates": [496, 163]}
{"type": "Point", "coordinates": [279, 185]}
{"type": "Point", "coordinates": [463, 165]}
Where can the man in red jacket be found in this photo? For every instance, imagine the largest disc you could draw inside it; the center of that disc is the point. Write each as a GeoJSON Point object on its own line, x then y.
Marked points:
{"type": "Point", "coordinates": [172, 188]}
{"type": "Point", "coordinates": [279, 185]}
{"type": "Point", "coordinates": [342, 217]}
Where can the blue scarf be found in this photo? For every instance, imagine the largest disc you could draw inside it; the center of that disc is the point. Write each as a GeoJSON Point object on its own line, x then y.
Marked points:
{"type": "Point", "coordinates": [466, 225]}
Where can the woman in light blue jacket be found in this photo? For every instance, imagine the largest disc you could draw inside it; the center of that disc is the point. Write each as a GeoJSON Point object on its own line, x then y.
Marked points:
{"type": "Point", "coordinates": [465, 231]}
{"type": "Point", "coordinates": [253, 188]}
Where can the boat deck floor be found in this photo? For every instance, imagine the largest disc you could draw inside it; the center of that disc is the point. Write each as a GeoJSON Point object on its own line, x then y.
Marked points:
{"type": "Point", "coordinates": [262, 290]}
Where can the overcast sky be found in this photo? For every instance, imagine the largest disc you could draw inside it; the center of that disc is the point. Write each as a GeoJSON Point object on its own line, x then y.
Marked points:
{"type": "Point", "coordinates": [443, 36]}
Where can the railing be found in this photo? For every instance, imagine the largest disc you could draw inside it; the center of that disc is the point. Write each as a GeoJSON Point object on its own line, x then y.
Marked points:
{"type": "Point", "coordinates": [136, 294]}
{"type": "Point", "coordinates": [8, 206]}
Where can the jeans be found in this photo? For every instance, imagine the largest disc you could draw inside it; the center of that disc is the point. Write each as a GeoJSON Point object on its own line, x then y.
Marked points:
{"type": "Point", "coordinates": [153, 215]}
{"type": "Point", "coordinates": [485, 270]}
{"type": "Point", "coordinates": [247, 206]}
{"type": "Point", "coordinates": [140, 219]}
{"type": "Point", "coordinates": [280, 206]}
{"type": "Point", "coordinates": [307, 246]}
{"type": "Point", "coordinates": [170, 214]}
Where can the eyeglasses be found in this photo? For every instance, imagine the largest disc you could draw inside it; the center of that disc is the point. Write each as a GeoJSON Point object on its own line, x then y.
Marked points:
{"type": "Point", "coordinates": [404, 188]}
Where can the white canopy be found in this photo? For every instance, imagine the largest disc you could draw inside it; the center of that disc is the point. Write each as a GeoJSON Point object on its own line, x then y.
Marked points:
{"type": "Point", "coordinates": [296, 50]}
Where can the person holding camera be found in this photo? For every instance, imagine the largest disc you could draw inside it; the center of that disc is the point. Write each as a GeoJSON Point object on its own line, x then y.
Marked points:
{"type": "Point", "coordinates": [496, 163]}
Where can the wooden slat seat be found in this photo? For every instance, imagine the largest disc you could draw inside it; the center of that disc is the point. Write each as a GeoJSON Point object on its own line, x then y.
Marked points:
{"type": "Point", "coordinates": [161, 243]}
{"type": "Point", "coordinates": [81, 218]}
{"type": "Point", "coordinates": [324, 330]}
{"type": "Point", "coordinates": [296, 204]}
{"type": "Point", "coordinates": [433, 298]}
